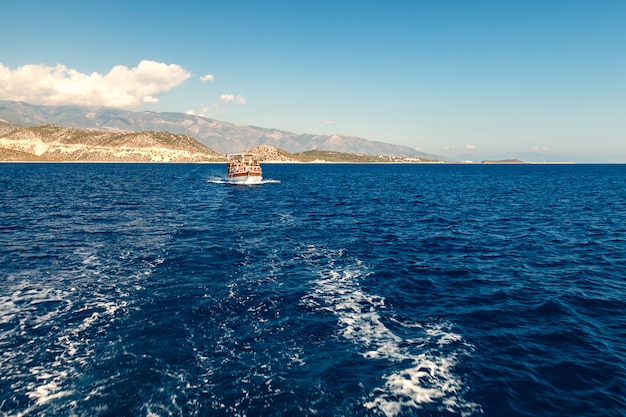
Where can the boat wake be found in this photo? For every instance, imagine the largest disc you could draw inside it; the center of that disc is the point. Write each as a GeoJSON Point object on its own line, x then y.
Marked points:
{"type": "Point", "coordinates": [60, 313]}
{"type": "Point", "coordinates": [255, 182]}
{"type": "Point", "coordinates": [421, 360]}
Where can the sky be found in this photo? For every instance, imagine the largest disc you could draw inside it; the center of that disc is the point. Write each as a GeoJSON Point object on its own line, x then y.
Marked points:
{"type": "Point", "coordinates": [462, 78]}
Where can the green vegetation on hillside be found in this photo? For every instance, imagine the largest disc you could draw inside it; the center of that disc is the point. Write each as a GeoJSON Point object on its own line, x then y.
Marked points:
{"type": "Point", "coordinates": [503, 161]}
{"type": "Point", "coordinates": [332, 156]}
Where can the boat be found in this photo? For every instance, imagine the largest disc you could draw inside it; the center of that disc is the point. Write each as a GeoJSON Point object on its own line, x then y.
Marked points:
{"type": "Point", "coordinates": [244, 168]}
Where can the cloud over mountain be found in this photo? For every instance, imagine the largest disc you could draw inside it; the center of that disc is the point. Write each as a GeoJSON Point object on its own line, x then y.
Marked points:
{"type": "Point", "coordinates": [210, 110]}
{"type": "Point", "coordinates": [121, 87]}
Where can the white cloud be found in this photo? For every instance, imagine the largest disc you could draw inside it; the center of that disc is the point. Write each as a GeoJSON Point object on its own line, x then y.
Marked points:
{"type": "Point", "coordinates": [470, 147]}
{"type": "Point", "coordinates": [328, 122]}
{"type": "Point", "coordinates": [207, 111]}
{"type": "Point", "coordinates": [208, 77]}
{"type": "Point", "coordinates": [230, 98]}
{"type": "Point", "coordinates": [120, 87]}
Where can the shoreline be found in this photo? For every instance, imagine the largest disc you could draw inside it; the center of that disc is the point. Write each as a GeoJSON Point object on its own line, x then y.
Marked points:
{"type": "Point", "coordinates": [318, 162]}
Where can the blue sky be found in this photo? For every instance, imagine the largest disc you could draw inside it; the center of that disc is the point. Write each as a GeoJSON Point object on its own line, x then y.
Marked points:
{"type": "Point", "coordinates": [459, 78]}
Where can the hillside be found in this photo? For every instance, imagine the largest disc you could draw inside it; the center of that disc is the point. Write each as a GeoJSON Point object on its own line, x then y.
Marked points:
{"type": "Point", "coordinates": [54, 143]}
{"type": "Point", "coordinates": [331, 156]}
{"type": "Point", "coordinates": [220, 136]}
{"type": "Point", "coordinates": [503, 161]}
{"type": "Point", "coordinates": [268, 153]}
{"type": "Point", "coordinates": [271, 154]}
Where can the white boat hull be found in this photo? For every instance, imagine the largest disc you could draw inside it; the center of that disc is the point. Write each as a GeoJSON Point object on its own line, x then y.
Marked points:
{"type": "Point", "coordinates": [244, 179]}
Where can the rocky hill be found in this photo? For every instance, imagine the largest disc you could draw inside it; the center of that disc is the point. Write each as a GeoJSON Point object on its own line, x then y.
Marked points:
{"type": "Point", "coordinates": [217, 135]}
{"type": "Point", "coordinates": [54, 143]}
{"type": "Point", "coordinates": [271, 154]}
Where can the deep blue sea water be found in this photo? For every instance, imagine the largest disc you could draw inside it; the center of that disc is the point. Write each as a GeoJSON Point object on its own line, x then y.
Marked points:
{"type": "Point", "coordinates": [332, 290]}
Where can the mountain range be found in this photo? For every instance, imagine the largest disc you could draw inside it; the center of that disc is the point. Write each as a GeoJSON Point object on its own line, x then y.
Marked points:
{"type": "Point", "coordinates": [53, 143]}
{"type": "Point", "coordinates": [219, 136]}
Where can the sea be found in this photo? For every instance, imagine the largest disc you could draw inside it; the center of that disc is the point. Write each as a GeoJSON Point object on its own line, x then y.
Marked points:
{"type": "Point", "coordinates": [326, 290]}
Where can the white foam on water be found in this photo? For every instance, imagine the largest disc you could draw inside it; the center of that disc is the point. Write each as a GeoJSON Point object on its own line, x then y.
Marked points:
{"type": "Point", "coordinates": [221, 180]}
{"type": "Point", "coordinates": [429, 377]}
{"type": "Point", "coordinates": [166, 403]}
{"type": "Point", "coordinates": [47, 388]}
{"type": "Point", "coordinates": [55, 314]}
